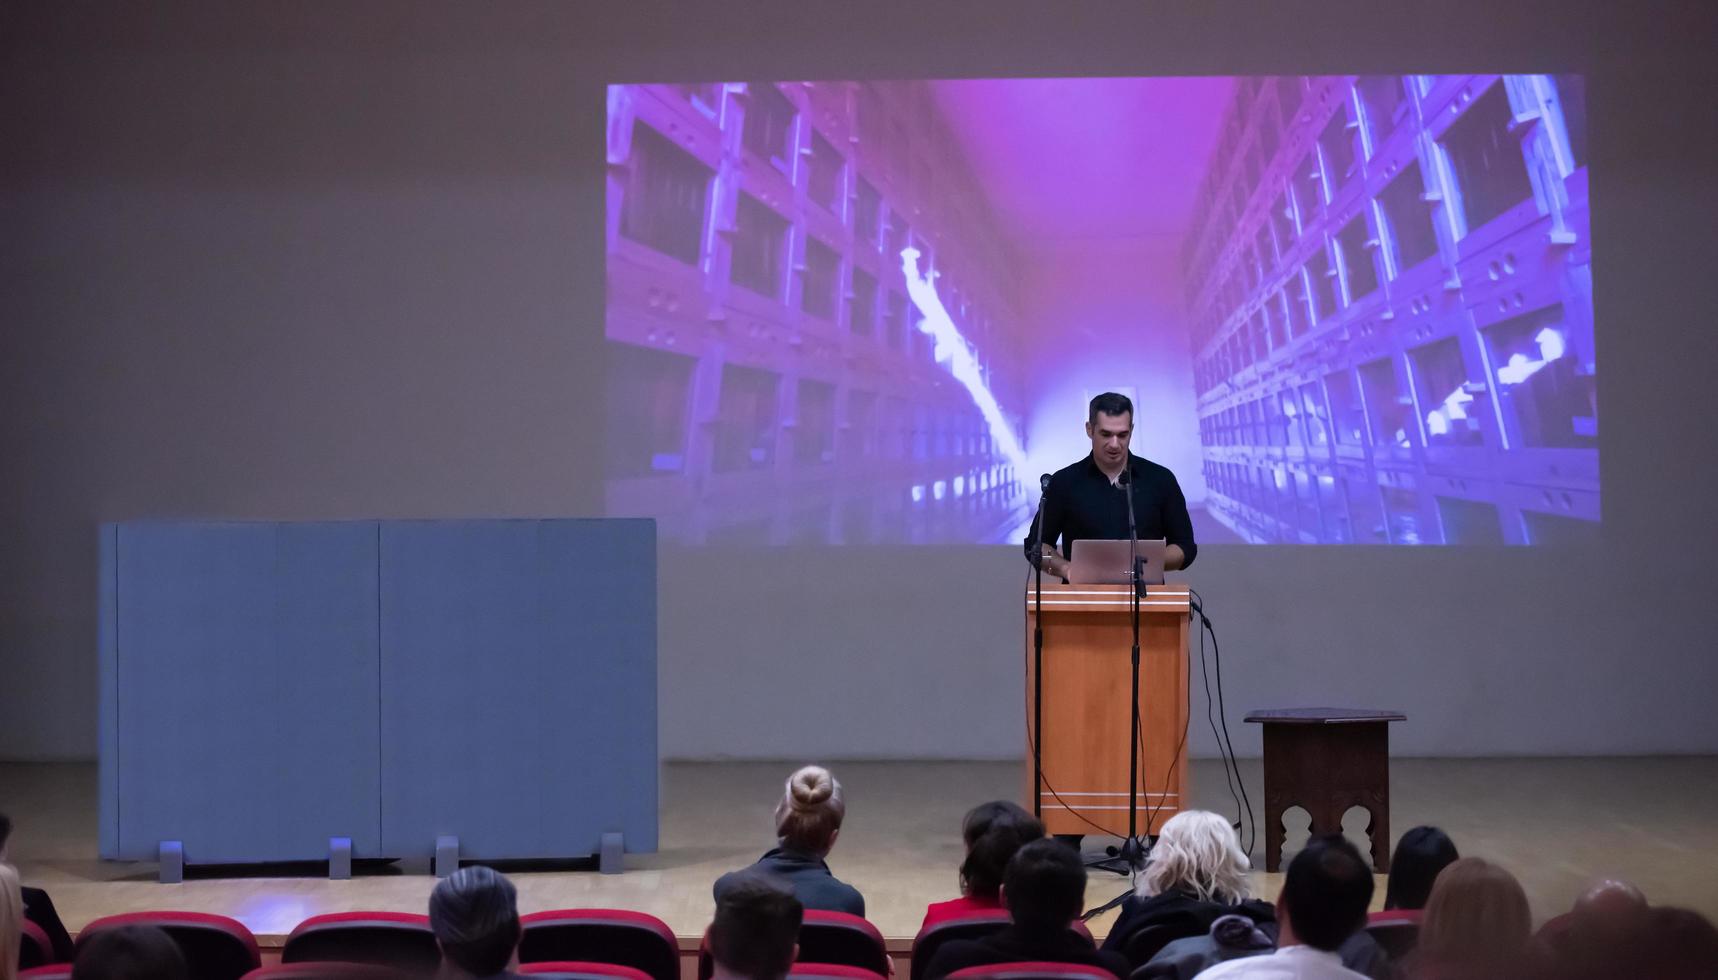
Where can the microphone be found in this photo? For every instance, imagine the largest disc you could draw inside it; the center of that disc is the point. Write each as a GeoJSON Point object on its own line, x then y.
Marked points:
{"type": "Point", "coordinates": [1125, 478]}
{"type": "Point", "coordinates": [1044, 483]}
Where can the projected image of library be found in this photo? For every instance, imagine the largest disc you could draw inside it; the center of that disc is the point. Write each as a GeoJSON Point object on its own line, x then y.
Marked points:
{"type": "Point", "coordinates": [1350, 309]}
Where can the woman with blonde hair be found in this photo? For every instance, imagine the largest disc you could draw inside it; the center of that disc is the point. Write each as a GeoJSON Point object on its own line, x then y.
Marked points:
{"type": "Point", "coordinates": [807, 822]}
{"type": "Point", "coordinates": [1196, 873]}
{"type": "Point", "coordinates": [11, 922]}
{"type": "Point", "coordinates": [1476, 927]}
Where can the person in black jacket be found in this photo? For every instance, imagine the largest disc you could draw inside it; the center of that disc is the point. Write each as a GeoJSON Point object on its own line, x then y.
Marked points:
{"type": "Point", "coordinates": [1196, 874]}
{"type": "Point", "coordinates": [807, 821]}
{"type": "Point", "coordinates": [38, 908]}
{"type": "Point", "coordinates": [1089, 498]}
{"type": "Point", "coordinates": [1044, 888]}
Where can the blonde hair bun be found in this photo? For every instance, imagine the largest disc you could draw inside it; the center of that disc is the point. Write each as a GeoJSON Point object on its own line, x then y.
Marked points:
{"type": "Point", "coordinates": [810, 787]}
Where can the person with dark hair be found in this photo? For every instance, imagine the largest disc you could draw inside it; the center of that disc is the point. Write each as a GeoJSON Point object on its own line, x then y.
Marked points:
{"type": "Point", "coordinates": [1085, 500]}
{"type": "Point", "coordinates": [993, 832]}
{"type": "Point", "coordinates": [1420, 854]}
{"type": "Point", "coordinates": [1323, 902]}
{"type": "Point", "coordinates": [38, 908]}
{"type": "Point", "coordinates": [474, 914]}
{"type": "Point", "coordinates": [129, 953]}
{"type": "Point", "coordinates": [1044, 887]}
{"type": "Point", "coordinates": [807, 822]}
{"type": "Point", "coordinates": [755, 935]}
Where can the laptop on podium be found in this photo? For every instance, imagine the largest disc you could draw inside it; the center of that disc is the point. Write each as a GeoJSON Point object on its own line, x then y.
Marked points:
{"type": "Point", "coordinates": [1103, 561]}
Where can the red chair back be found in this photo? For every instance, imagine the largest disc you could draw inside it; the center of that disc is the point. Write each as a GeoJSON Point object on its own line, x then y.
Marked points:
{"type": "Point", "coordinates": [53, 971]}
{"type": "Point", "coordinates": [830, 971]}
{"type": "Point", "coordinates": [1033, 971]}
{"type": "Point", "coordinates": [836, 937]}
{"type": "Point", "coordinates": [36, 949]}
{"type": "Point", "coordinates": [976, 925]}
{"type": "Point", "coordinates": [1397, 937]}
{"type": "Point", "coordinates": [575, 970]}
{"type": "Point", "coordinates": [395, 939]}
{"type": "Point", "coordinates": [330, 970]}
{"type": "Point", "coordinates": [614, 936]}
{"type": "Point", "coordinates": [215, 947]}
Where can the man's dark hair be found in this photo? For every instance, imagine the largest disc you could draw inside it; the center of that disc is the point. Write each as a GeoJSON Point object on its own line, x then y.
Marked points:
{"type": "Point", "coordinates": [5, 829]}
{"type": "Point", "coordinates": [1420, 855]}
{"type": "Point", "coordinates": [1109, 403]}
{"type": "Point", "coordinates": [129, 953]}
{"type": "Point", "coordinates": [1044, 885]}
{"type": "Point", "coordinates": [993, 833]}
{"type": "Point", "coordinates": [756, 926]}
{"type": "Point", "coordinates": [1326, 890]}
{"type": "Point", "coordinates": [474, 913]}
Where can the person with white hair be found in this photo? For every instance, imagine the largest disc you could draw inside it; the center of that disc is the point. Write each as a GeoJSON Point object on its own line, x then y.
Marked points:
{"type": "Point", "coordinates": [807, 822]}
{"type": "Point", "coordinates": [1195, 874]}
{"type": "Point", "coordinates": [474, 914]}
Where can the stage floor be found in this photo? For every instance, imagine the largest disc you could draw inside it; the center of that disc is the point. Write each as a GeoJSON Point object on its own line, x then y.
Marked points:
{"type": "Point", "coordinates": [1557, 823]}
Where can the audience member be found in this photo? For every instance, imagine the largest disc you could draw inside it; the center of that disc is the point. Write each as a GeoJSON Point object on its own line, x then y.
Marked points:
{"type": "Point", "coordinates": [1044, 888]}
{"type": "Point", "coordinates": [474, 913]}
{"type": "Point", "coordinates": [1607, 908]}
{"type": "Point", "coordinates": [1476, 926]}
{"type": "Point", "coordinates": [1323, 903]}
{"type": "Point", "coordinates": [1420, 854]}
{"type": "Point", "coordinates": [1673, 944]}
{"type": "Point", "coordinates": [37, 907]}
{"type": "Point", "coordinates": [807, 822]}
{"type": "Point", "coordinates": [755, 935]}
{"type": "Point", "coordinates": [1195, 874]}
{"type": "Point", "coordinates": [129, 953]}
{"type": "Point", "coordinates": [992, 832]}
{"type": "Point", "coordinates": [11, 922]}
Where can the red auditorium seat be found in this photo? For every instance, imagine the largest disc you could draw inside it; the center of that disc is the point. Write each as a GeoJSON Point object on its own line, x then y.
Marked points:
{"type": "Point", "coordinates": [323, 970]}
{"type": "Point", "coordinates": [615, 936]}
{"type": "Point", "coordinates": [216, 947]}
{"type": "Point", "coordinates": [836, 937]}
{"type": "Point", "coordinates": [1396, 931]}
{"type": "Point", "coordinates": [576, 970]}
{"type": "Point", "coordinates": [830, 971]}
{"type": "Point", "coordinates": [1033, 971]}
{"type": "Point", "coordinates": [397, 939]}
{"type": "Point", "coordinates": [36, 949]}
{"type": "Point", "coordinates": [976, 925]}
{"type": "Point", "coordinates": [53, 971]}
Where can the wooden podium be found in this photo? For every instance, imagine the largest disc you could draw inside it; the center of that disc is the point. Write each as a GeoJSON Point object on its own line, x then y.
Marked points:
{"type": "Point", "coordinates": [1088, 637]}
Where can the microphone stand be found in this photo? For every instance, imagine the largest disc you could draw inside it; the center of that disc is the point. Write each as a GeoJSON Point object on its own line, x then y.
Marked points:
{"type": "Point", "coordinates": [1131, 851]}
{"type": "Point", "coordinates": [1038, 651]}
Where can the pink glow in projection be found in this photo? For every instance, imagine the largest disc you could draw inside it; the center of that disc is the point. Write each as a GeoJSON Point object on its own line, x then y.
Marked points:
{"type": "Point", "coordinates": [1349, 309]}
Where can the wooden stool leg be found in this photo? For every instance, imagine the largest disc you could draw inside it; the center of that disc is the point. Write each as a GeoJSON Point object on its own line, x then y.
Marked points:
{"type": "Point", "coordinates": [1275, 810]}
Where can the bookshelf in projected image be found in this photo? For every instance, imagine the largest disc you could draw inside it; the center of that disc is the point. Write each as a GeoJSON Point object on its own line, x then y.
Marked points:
{"type": "Point", "coordinates": [815, 329]}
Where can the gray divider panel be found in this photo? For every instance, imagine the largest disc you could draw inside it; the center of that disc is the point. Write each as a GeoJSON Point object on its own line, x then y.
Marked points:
{"type": "Point", "coordinates": [239, 687]}
{"type": "Point", "coordinates": [519, 686]}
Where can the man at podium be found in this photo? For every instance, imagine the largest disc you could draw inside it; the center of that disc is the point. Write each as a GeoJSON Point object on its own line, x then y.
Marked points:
{"type": "Point", "coordinates": [1086, 499]}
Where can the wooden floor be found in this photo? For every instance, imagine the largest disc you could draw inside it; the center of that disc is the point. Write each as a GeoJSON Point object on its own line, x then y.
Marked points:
{"type": "Point", "coordinates": [1557, 823]}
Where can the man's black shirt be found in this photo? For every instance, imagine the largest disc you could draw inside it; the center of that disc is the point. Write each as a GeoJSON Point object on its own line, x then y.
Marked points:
{"type": "Point", "coordinates": [1083, 503]}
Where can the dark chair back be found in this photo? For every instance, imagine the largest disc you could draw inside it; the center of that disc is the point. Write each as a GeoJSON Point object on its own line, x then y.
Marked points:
{"type": "Point", "coordinates": [575, 970]}
{"type": "Point", "coordinates": [614, 936]}
{"type": "Point", "coordinates": [837, 937]}
{"type": "Point", "coordinates": [830, 971]}
{"type": "Point", "coordinates": [1033, 971]}
{"type": "Point", "coordinates": [35, 949]}
{"type": "Point", "coordinates": [215, 947]}
{"type": "Point", "coordinates": [397, 939]}
{"type": "Point", "coordinates": [933, 937]}
{"type": "Point", "coordinates": [330, 970]}
{"type": "Point", "coordinates": [1397, 938]}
